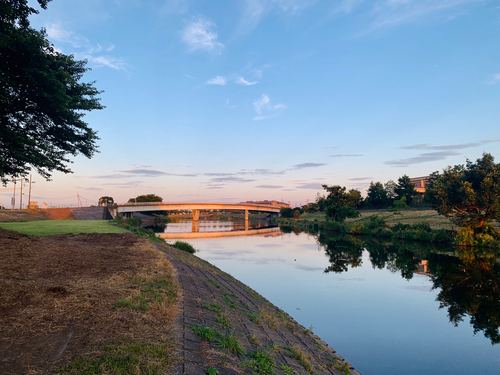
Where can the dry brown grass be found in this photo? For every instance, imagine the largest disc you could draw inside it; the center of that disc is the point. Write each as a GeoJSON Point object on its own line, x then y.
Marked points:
{"type": "Point", "coordinates": [435, 220]}
{"type": "Point", "coordinates": [20, 215]}
{"type": "Point", "coordinates": [58, 302]}
{"type": "Point", "coordinates": [33, 215]}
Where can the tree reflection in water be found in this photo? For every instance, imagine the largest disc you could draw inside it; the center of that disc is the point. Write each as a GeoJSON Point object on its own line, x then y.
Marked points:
{"type": "Point", "coordinates": [468, 279]}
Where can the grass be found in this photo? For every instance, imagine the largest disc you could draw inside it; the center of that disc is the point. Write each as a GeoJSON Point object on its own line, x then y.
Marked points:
{"type": "Point", "coordinates": [52, 227]}
{"type": "Point", "coordinates": [260, 361]}
{"type": "Point", "coordinates": [344, 367]}
{"type": "Point", "coordinates": [127, 358]}
{"type": "Point", "coordinates": [222, 320]}
{"type": "Point", "coordinates": [229, 302]}
{"type": "Point", "coordinates": [299, 355]}
{"type": "Point", "coordinates": [288, 370]}
{"type": "Point", "coordinates": [215, 307]}
{"type": "Point", "coordinates": [431, 217]}
{"type": "Point", "coordinates": [231, 343]}
{"type": "Point", "coordinates": [214, 283]}
{"type": "Point", "coordinates": [205, 332]}
{"type": "Point", "coordinates": [150, 292]}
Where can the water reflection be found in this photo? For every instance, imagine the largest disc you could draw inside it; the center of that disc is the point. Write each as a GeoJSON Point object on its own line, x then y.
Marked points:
{"type": "Point", "coordinates": [188, 229]}
{"type": "Point", "coordinates": [468, 279]}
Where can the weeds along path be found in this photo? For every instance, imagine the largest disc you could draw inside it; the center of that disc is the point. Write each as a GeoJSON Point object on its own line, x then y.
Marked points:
{"type": "Point", "coordinates": [224, 325]}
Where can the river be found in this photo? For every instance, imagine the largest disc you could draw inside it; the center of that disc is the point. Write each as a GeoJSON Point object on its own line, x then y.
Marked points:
{"type": "Point", "coordinates": [402, 308]}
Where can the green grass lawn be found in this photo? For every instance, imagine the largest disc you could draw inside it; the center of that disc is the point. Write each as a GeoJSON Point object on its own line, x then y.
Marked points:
{"type": "Point", "coordinates": [50, 227]}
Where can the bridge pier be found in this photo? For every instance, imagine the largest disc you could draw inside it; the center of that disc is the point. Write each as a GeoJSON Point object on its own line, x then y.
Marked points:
{"type": "Point", "coordinates": [246, 215]}
{"type": "Point", "coordinates": [196, 215]}
{"type": "Point", "coordinates": [196, 227]}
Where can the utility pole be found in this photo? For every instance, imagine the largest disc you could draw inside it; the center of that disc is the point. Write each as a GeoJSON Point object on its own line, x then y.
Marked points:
{"type": "Point", "coordinates": [29, 195]}
{"type": "Point", "coordinates": [14, 196]}
{"type": "Point", "coordinates": [21, 196]}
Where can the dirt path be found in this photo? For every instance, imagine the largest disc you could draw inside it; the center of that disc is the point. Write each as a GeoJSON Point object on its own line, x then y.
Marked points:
{"type": "Point", "coordinates": [213, 301]}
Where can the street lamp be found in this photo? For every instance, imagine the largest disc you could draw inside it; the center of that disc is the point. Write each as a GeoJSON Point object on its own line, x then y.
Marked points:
{"type": "Point", "coordinates": [136, 191]}
{"type": "Point", "coordinates": [199, 194]}
{"type": "Point", "coordinates": [246, 196]}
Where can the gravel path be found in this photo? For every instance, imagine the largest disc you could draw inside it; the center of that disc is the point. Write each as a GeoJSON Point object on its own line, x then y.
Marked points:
{"type": "Point", "coordinates": [244, 333]}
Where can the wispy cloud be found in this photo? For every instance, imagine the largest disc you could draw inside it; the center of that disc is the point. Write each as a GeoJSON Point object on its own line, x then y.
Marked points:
{"type": "Point", "coordinates": [311, 186]}
{"type": "Point", "coordinates": [394, 13]}
{"type": "Point", "coordinates": [308, 165]}
{"type": "Point", "coordinates": [345, 155]}
{"type": "Point", "coordinates": [458, 146]}
{"type": "Point", "coordinates": [128, 173]}
{"type": "Point", "coordinates": [174, 7]}
{"type": "Point", "coordinates": [231, 179]}
{"type": "Point", "coordinates": [96, 54]}
{"type": "Point", "coordinates": [360, 178]}
{"type": "Point", "coordinates": [199, 35]}
{"type": "Point", "coordinates": [495, 79]}
{"type": "Point", "coordinates": [265, 109]}
{"type": "Point", "coordinates": [220, 81]}
{"type": "Point", "coordinates": [422, 158]}
{"type": "Point", "coordinates": [269, 186]}
{"type": "Point", "coordinates": [154, 173]}
{"type": "Point", "coordinates": [243, 81]}
{"type": "Point", "coordinates": [219, 174]}
{"type": "Point", "coordinates": [256, 10]}
{"type": "Point", "coordinates": [262, 171]}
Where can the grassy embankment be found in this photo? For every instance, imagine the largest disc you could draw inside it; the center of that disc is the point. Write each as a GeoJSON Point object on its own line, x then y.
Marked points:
{"type": "Point", "coordinates": [107, 293]}
{"type": "Point", "coordinates": [430, 217]}
{"type": "Point", "coordinates": [52, 227]}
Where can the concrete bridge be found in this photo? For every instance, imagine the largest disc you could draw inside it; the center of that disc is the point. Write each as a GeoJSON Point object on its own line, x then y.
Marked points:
{"type": "Point", "coordinates": [128, 209]}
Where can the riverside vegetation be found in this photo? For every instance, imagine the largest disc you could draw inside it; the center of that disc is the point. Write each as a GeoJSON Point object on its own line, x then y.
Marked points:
{"type": "Point", "coordinates": [468, 196]}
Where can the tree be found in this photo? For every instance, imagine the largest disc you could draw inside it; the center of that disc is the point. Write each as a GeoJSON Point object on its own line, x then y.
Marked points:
{"type": "Point", "coordinates": [377, 194]}
{"type": "Point", "coordinates": [146, 198]}
{"type": "Point", "coordinates": [390, 187]}
{"type": "Point", "coordinates": [405, 188]}
{"type": "Point", "coordinates": [469, 195]}
{"type": "Point", "coordinates": [339, 204]}
{"type": "Point", "coordinates": [42, 103]}
{"type": "Point", "coordinates": [296, 215]}
{"type": "Point", "coordinates": [106, 201]}
{"type": "Point", "coordinates": [355, 199]}
{"type": "Point", "coordinates": [286, 212]}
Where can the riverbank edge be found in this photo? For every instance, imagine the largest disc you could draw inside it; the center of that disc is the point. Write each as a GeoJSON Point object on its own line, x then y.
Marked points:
{"type": "Point", "coordinates": [214, 301]}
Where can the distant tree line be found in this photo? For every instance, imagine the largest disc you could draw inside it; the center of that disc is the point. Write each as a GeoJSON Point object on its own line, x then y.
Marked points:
{"type": "Point", "coordinates": [340, 204]}
{"type": "Point", "coordinates": [381, 195]}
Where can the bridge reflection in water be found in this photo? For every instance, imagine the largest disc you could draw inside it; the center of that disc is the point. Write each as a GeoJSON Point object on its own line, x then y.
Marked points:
{"type": "Point", "coordinates": [226, 233]}
{"type": "Point", "coordinates": [212, 229]}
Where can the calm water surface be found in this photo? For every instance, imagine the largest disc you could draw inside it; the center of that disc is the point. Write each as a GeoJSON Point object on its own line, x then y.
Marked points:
{"type": "Point", "coordinates": [372, 303]}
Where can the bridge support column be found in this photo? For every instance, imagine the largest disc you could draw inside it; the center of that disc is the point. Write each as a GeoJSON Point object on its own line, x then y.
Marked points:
{"type": "Point", "coordinates": [196, 215]}
{"type": "Point", "coordinates": [196, 227]}
{"type": "Point", "coordinates": [246, 215]}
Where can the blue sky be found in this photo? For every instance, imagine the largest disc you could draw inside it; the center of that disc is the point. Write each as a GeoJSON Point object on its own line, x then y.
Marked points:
{"type": "Point", "coordinates": [269, 99]}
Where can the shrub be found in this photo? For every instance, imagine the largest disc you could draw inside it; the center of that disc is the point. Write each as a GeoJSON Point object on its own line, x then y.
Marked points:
{"type": "Point", "coordinates": [442, 236]}
{"type": "Point", "coordinates": [333, 226]}
{"type": "Point", "coordinates": [184, 246]}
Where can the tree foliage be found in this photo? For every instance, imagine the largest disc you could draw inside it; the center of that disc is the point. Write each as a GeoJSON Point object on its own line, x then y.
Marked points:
{"type": "Point", "coordinates": [405, 188]}
{"type": "Point", "coordinates": [42, 103]}
{"type": "Point", "coordinates": [469, 195]}
{"type": "Point", "coordinates": [339, 204]}
{"type": "Point", "coordinates": [146, 198]}
{"type": "Point", "coordinates": [106, 201]}
{"type": "Point", "coordinates": [377, 195]}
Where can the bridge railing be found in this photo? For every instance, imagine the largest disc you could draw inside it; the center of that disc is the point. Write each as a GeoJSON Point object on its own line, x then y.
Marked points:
{"type": "Point", "coordinates": [192, 203]}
